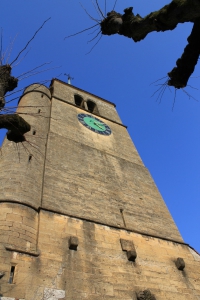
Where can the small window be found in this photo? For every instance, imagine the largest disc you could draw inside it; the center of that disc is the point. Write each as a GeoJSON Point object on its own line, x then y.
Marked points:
{"type": "Point", "coordinates": [92, 107]}
{"type": "Point", "coordinates": [12, 273]}
{"type": "Point", "coordinates": [78, 100]}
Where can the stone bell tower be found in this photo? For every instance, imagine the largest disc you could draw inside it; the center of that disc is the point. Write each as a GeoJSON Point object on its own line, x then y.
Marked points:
{"type": "Point", "coordinates": [80, 215]}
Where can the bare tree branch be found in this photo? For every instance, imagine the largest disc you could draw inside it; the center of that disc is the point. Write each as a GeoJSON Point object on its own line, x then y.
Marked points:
{"type": "Point", "coordinates": [180, 75]}
{"type": "Point", "coordinates": [167, 18]}
{"type": "Point", "coordinates": [7, 82]}
{"type": "Point", "coordinates": [16, 126]}
{"type": "Point", "coordinates": [29, 41]}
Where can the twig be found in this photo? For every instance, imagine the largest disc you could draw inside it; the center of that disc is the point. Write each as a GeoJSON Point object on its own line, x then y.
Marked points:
{"type": "Point", "coordinates": [192, 87]}
{"type": "Point", "coordinates": [189, 96]}
{"type": "Point", "coordinates": [96, 9]}
{"type": "Point", "coordinates": [160, 91]}
{"type": "Point", "coordinates": [43, 82]}
{"type": "Point", "coordinates": [30, 41]}
{"type": "Point", "coordinates": [174, 99]}
{"type": "Point", "coordinates": [11, 47]}
{"type": "Point", "coordinates": [94, 45]}
{"type": "Point", "coordinates": [88, 13]}
{"type": "Point", "coordinates": [99, 9]}
{"type": "Point", "coordinates": [94, 37]}
{"type": "Point", "coordinates": [114, 5]}
{"type": "Point", "coordinates": [38, 73]}
{"type": "Point", "coordinates": [93, 31]}
{"type": "Point", "coordinates": [46, 63]}
{"type": "Point", "coordinates": [21, 59]}
{"type": "Point", "coordinates": [15, 92]}
{"type": "Point", "coordinates": [80, 31]}
{"type": "Point", "coordinates": [158, 80]}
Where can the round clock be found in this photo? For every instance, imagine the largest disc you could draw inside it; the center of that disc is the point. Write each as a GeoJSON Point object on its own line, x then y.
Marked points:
{"type": "Point", "coordinates": [94, 124]}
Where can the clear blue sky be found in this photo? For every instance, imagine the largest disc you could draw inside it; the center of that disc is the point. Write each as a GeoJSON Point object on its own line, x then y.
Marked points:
{"type": "Point", "coordinates": [122, 71]}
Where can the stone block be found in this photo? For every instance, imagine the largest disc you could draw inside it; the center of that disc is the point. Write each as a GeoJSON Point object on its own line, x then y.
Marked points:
{"type": "Point", "coordinates": [14, 218]}
{"type": "Point", "coordinates": [127, 245]}
{"type": "Point", "coordinates": [6, 298]}
{"type": "Point", "coordinates": [180, 264]}
{"type": "Point", "coordinates": [53, 294]}
{"type": "Point", "coordinates": [73, 243]}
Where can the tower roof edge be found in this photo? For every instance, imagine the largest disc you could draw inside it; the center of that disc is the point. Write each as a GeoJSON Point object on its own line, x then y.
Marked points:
{"type": "Point", "coordinates": [78, 89]}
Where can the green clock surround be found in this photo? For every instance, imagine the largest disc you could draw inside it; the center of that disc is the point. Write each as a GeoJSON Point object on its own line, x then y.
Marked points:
{"type": "Point", "coordinates": [94, 124]}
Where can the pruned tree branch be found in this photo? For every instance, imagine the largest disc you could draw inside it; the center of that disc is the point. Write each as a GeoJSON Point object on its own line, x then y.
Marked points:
{"type": "Point", "coordinates": [7, 82]}
{"type": "Point", "coordinates": [16, 126]}
{"type": "Point", "coordinates": [180, 75]}
{"type": "Point", "coordinates": [167, 18]}
{"type": "Point", "coordinates": [137, 28]}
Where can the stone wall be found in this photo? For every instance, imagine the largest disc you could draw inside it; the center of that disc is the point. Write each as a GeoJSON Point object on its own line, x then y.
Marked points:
{"type": "Point", "coordinates": [99, 267]}
{"type": "Point", "coordinates": [66, 93]}
{"type": "Point", "coordinates": [96, 177]}
{"type": "Point", "coordinates": [80, 216]}
{"type": "Point", "coordinates": [18, 227]}
{"type": "Point", "coordinates": [22, 164]}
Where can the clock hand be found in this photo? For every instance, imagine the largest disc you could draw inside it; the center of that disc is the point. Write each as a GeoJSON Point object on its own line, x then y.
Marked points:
{"type": "Point", "coordinates": [98, 125]}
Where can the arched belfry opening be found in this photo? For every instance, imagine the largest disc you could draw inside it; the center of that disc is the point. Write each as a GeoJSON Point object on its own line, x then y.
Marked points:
{"type": "Point", "coordinates": [92, 107]}
{"type": "Point", "coordinates": [88, 105]}
{"type": "Point", "coordinates": [78, 100]}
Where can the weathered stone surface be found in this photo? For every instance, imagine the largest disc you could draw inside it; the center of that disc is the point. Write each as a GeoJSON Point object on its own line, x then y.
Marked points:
{"type": "Point", "coordinates": [76, 186]}
{"type": "Point", "coordinates": [6, 298]}
{"type": "Point", "coordinates": [53, 294]}
{"type": "Point", "coordinates": [66, 93]}
{"type": "Point", "coordinates": [1, 274]}
{"type": "Point", "coordinates": [21, 179]}
{"type": "Point", "coordinates": [127, 245]}
{"type": "Point", "coordinates": [99, 175]}
{"type": "Point", "coordinates": [99, 268]}
{"type": "Point", "coordinates": [19, 226]}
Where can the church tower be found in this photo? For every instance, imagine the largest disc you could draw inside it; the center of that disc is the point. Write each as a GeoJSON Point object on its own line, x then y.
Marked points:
{"type": "Point", "coordinates": [80, 215]}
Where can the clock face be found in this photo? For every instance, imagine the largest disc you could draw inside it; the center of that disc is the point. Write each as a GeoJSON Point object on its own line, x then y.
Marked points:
{"type": "Point", "coordinates": [94, 124]}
